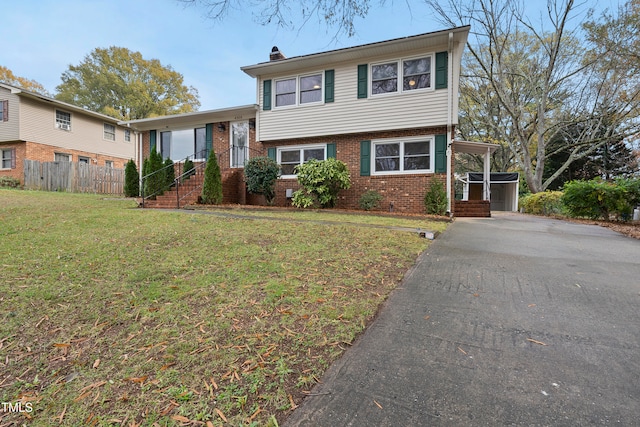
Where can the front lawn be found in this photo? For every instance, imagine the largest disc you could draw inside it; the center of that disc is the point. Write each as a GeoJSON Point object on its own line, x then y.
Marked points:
{"type": "Point", "coordinates": [113, 315]}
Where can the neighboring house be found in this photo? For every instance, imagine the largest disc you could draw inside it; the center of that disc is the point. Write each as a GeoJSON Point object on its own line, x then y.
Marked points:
{"type": "Point", "coordinates": [387, 109]}
{"type": "Point", "coordinates": [36, 127]}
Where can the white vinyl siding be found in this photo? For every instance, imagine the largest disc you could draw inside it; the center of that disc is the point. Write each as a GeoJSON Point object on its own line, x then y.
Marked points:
{"type": "Point", "coordinates": [9, 130]}
{"type": "Point", "coordinates": [348, 114]}
{"type": "Point", "coordinates": [36, 121]}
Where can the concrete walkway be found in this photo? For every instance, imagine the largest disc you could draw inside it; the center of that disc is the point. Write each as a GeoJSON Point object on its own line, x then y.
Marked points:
{"type": "Point", "coordinates": [512, 320]}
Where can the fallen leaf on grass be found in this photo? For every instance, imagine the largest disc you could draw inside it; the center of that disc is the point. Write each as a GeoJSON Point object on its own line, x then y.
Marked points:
{"type": "Point", "coordinates": [536, 341]}
{"type": "Point", "coordinates": [293, 404]}
{"type": "Point", "coordinates": [180, 418]}
{"type": "Point", "coordinates": [96, 363]}
{"type": "Point", "coordinates": [219, 412]}
{"type": "Point", "coordinates": [137, 379]}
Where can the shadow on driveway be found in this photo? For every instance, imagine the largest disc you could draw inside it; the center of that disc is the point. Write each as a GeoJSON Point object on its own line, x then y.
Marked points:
{"type": "Point", "coordinates": [510, 320]}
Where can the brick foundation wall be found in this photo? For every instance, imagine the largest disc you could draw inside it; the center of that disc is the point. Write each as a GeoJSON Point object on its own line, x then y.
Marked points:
{"type": "Point", "coordinates": [401, 193]}
{"type": "Point", "coordinates": [46, 153]}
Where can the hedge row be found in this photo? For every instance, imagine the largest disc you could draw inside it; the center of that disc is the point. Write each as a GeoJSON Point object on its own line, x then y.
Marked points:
{"type": "Point", "coordinates": [594, 199]}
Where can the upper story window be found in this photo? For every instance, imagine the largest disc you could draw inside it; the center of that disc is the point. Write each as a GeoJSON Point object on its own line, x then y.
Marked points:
{"type": "Point", "coordinates": [290, 157]}
{"type": "Point", "coordinates": [4, 111]}
{"type": "Point", "coordinates": [413, 73]}
{"type": "Point", "coordinates": [63, 120]}
{"type": "Point", "coordinates": [109, 132]}
{"type": "Point", "coordinates": [408, 155]}
{"type": "Point", "coordinates": [298, 90]}
{"type": "Point", "coordinates": [127, 135]}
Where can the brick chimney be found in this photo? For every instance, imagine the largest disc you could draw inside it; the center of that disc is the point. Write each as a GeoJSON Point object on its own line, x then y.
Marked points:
{"type": "Point", "coordinates": [275, 54]}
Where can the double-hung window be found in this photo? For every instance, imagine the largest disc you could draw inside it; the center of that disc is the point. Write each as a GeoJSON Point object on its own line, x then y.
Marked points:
{"type": "Point", "coordinates": [4, 111]}
{"type": "Point", "coordinates": [290, 157]}
{"type": "Point", "coordinates": [401, 75]}
{"type": "Point", "coordinates": [6, 158]}
{"type": "Point", "coordinates": [127, 135]}
{"type": "Point", "coordinates": [298, 90]}
{"type": "Point", "coordinates": [409, 155]}
{"type": "Point", "coordinates": [109, 132]}
{"type": "Point", "coordinates": [63, 120]}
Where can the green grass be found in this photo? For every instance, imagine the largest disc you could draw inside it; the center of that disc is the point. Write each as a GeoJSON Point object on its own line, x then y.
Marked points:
{"type": "Point", "coordinates": [113, 315]}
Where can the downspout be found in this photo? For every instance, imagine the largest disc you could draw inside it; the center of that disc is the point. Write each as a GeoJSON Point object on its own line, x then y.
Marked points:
{"type": "Point", "coordinates": [449, 120]}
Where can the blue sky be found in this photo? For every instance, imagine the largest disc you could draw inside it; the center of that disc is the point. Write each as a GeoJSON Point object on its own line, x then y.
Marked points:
{"type": "Point", "coordinates": [43, 37]}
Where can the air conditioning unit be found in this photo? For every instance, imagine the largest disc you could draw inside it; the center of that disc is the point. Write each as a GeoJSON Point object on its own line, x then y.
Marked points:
{"type": "Point", "coordinates": [64, 126]}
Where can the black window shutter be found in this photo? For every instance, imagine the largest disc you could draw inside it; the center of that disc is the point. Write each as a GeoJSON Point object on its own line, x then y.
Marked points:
{"type": "Point", "coordinates": [365, 158]}
{"type": "Point", "coordinates": [329, 77]}
{"type": "Point", "coordinates": [266, 95]}
{"type": "Point", "coordinates": [152, 140]}
{"type": "Point", "coordinates": [442, 65]}
{"type": "Point", "coordinates": [441, 154]}
{"type": "Point", "coordinates": [331, 150]}
{"type": "Point", "coordinates": [363, 77]}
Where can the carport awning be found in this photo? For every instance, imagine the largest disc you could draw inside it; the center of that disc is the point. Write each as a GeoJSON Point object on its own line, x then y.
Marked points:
{"type": "Point", "coordinates": [472, 147]}
{"type": "Point", "coordinates": [496, 177]}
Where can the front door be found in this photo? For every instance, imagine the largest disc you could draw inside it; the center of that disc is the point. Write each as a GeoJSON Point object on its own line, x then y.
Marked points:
{"type": "Point", "coordinates": [239, 143]}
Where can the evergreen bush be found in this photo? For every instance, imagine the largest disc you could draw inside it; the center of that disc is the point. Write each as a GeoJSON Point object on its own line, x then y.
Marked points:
{"type": "Point", "coordinates": [169, 173]}
{"type": "Point", "coordinates": [9, 182]}
{"type": "Point", "coordinates": [131, 180]}
{"type": "Point", "coordinates": [435, 199]}
{"type": "Point", "coordinates": [188, 169]}
{"type": "Point", "coordinates": [155, 179]}
{"type": "Point", "coordinates": [260, 174]}
{"type": "Point", "coordinates": [370, 200]}
{"type": "Point", "coordinates": [321, 180]}
{"type": "Point", "coordinates": [212, 187]}
{"type": "Point", "coordinates": [597, 199]}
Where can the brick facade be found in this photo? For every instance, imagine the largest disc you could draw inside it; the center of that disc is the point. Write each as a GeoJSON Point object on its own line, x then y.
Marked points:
{"type": "Point", "coordinates": [401, 193]}
{"type": "Point", "coordinates": [46, 153]}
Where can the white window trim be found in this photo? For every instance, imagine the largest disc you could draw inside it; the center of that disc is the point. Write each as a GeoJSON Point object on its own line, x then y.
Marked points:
{"type": "Point", "coordinates": [279, 150]}
{"type": "Point", "coordinates": [401, 141]}
{"type": "Point", "coordinates": [400, 76]}
{"type": "Point", "coordinates": [69, 156]}
{"type": "Point", "coordinates": [104, 132]}
{"type": "Point", "coordinates": [61, 126]}
{"type": "Point", "coordinates": [2, 159]}
{"type": "Point", "coordinates": [298, 104]}
{"type": "Point", "coordinates": [127, 135]}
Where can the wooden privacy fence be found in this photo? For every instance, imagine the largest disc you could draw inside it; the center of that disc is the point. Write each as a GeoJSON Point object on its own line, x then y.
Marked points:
{"type": "Point", "coordinates": [72, 177]}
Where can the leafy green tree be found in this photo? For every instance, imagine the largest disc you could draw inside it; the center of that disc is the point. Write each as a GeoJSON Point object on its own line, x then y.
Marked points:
{"type": "Point", "coordinates": [131, 180]}
{"type": "Point", "coordinates": [7, 76]}
{"type": "Point", "coordinates": [212, 187]}
{"type": "Point", "coordinates": [321, 180]}
{"type": "Point", "coordinates": [122, 84]}
{"type": "Point", "coordinates": [260, 174]}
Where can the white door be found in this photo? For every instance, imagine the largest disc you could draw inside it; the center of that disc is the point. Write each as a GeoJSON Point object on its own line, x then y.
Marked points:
{"type": "Point", "coordinates": [239, 143]}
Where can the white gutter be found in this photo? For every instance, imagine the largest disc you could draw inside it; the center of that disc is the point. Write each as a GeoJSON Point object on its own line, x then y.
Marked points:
{"type": "Point", "coordinates": [449, 119]}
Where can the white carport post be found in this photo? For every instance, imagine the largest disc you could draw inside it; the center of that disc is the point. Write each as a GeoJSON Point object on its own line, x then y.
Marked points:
{"type": "Point", "coordinates": [486, 178]}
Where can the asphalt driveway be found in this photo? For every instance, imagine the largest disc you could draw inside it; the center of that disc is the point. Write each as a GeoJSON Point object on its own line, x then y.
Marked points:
{"type": "Point", "coordinates": [510, 320]}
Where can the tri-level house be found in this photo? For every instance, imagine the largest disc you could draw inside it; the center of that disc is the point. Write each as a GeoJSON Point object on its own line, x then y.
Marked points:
{"type": "Point", "coordinates": [36, 127]}
{"type": "Point", "coordinates": [387, 109]}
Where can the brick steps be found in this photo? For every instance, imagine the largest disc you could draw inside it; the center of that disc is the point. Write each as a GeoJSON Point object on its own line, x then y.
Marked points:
{"type": "Point", "coordinates": [169, 199]}
{"type": "Point", "coordinates": [472, 209]}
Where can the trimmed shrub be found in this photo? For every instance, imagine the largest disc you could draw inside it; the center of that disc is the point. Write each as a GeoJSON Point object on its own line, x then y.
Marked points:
{"type": "Point", "coordinates": [543, 203]}
{"type": "Point", "coordinates": [9, 182]}
{"type": "Point", "coordinates": [169, 173]}
{"type": "Point", "coordinates": [188, 169]}
{"type": "Point", "coordinates": [131, 180]}
{"type": "Point", "coordinates": [596, 199]}
{"type": "Point", "coordinates": [154, 183]}
{"type": "Point", "coordinates": [321, 180]}
{"type": "Point", "coordinates": [212, 187]}
{"type": "Point", "coordinates": [260, 174]}
{"type": "Point", "coordinates": [435, 199]}
{"type": "Point", "coordinates": [370, 199]}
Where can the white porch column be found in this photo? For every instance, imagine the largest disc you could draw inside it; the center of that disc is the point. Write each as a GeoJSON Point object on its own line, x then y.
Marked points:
{"type": "Point", "coordinates": [486, 178]}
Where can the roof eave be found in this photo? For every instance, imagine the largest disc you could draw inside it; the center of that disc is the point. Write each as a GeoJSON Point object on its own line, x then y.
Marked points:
{"type": "Point", "coordinates": [356, 52]}
{"type": "Point", "coordinates": [197, 117]}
